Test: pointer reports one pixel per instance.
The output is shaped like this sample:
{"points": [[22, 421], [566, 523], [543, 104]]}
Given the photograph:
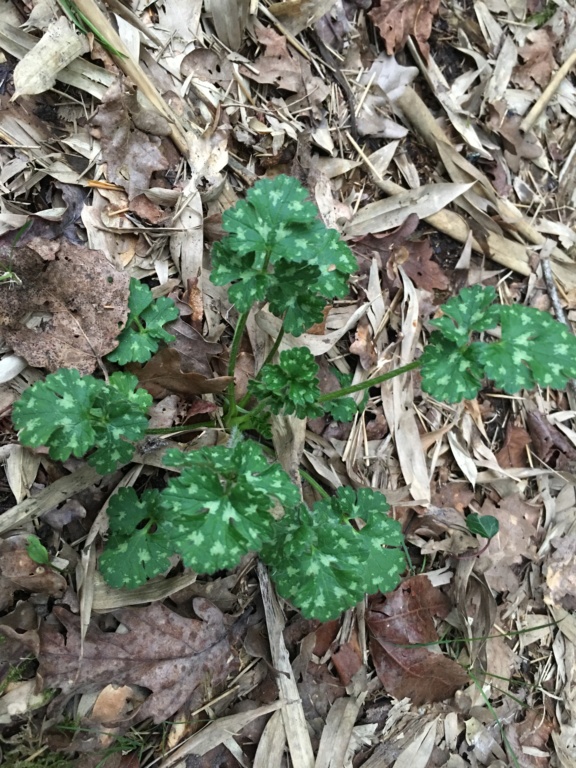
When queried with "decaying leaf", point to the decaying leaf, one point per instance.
{"points": [[172, 656], [164, 372], [514, 541], [404, 617], [128, 147], [560, 573], [23, 573], [397, 19], [285, 68], [65, 313], [513, 451]]}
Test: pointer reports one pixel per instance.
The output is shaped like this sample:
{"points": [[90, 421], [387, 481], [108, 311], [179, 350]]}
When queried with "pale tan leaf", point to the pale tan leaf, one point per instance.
{"points": [[58, 47], [392, 211]]}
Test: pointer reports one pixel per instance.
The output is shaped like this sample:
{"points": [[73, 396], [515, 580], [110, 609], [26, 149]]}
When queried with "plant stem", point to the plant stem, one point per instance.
{"points": [[234, 350], [269, 357], [369, 383], [184, 428], [317, 487]]}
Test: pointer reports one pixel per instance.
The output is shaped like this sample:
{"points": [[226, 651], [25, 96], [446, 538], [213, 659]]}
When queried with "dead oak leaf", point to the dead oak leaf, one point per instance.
{"points": [[406, 617], [65, 313], [164, 373], [514, 541], [394, 249], [285, 69], [538, 57], [131, 155], [172, 656], [397, 19]]}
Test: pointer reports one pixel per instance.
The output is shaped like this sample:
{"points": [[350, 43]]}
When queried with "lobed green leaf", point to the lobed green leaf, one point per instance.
{"points": [[218, 509], [324, 565], [534, 349], [469, 311], [72, 414], [450, 373], [56, 412], [136, 549], [290, 386], [144, 330]]}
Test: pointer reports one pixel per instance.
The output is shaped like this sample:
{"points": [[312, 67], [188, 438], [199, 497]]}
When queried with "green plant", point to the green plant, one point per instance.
{"points": [[230, 500], [144, 330], [72, 414]]}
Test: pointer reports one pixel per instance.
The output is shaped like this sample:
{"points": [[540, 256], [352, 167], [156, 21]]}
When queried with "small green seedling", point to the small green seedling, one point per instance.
{"points": [[37, 551], [144, 331], [230, 500], [482, 525]]}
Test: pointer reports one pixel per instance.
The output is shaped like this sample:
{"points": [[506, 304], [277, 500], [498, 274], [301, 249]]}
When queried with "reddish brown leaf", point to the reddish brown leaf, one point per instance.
{"points": [[397, 19], [83, 301], [513, 451], [406, 617], [395, 248], [347, 660], [174, 657], [164, 372]]}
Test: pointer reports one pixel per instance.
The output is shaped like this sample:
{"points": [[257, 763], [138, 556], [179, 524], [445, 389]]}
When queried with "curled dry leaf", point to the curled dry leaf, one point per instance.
{"points": [[363, 345], [397, 19], [404, 617], [81, 301], [172, 656]]}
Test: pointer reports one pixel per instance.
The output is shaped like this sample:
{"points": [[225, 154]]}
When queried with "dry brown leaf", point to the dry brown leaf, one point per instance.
{"points": [[560, 572], [363, 345], [538, 57], [172, 656], [549, 444], [19, 571], [395, 249], [164, 372], [195, 351], [205, 64], [514, 541], [527, 741], [403, 617], [130, 146], [82, 300], [285, 68], [397, 19], [513, 451]]}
